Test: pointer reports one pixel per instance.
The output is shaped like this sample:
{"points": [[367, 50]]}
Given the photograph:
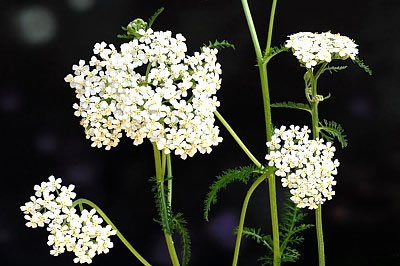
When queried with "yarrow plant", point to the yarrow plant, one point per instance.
{"points": [[306, 166], [151, 88], [312, 49], [52, 207], [171, 103]]}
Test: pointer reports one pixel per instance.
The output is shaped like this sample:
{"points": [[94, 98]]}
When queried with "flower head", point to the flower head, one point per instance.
{"points": [[306, 166], [149, 89], [312, 49], [82, 234]]}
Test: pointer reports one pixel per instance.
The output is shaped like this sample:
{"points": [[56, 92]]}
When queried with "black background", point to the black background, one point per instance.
{"points": [[41, 40]]}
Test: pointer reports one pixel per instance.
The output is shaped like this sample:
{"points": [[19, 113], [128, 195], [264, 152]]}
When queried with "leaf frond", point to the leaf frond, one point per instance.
{"points": [[293, 105], [241, 174], [219, 45], [274, 51], [258, 236], [180, 228], [291, 225], [162, 205], [154, 16], [335, 130], [362, 65], [334, 69]]}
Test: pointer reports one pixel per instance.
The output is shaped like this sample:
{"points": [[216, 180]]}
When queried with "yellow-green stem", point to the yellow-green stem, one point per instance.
{"points": [[108, 221], [243, 215], [169, 176], [160, 181], [315, 129], [262, 66]]}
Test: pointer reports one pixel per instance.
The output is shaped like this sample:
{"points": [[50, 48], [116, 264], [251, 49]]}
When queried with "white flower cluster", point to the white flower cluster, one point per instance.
{"points": [[306, 166], [312, 49], [82, 234], [150, 89]]}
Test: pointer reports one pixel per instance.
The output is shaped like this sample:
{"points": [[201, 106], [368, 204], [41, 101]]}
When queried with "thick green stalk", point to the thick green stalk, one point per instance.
{"points": [[318, 212], [108, 221], [160, 181], [262, 66], [238, 140], [243, 215]]}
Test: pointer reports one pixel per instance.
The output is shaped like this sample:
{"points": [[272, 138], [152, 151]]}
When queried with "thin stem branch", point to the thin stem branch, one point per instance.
{"points": [[271, 26], [238, 140], [108, 221], [243, 215]]}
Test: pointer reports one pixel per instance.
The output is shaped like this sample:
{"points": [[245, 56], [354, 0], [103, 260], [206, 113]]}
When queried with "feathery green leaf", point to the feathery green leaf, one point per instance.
{"points": [[289, 228], [241, 174], [334, 130], [154, 16], [362, 65], [162, 204], [274, 51], [293, 105], [219, 45], [333, 69], [258, 236], [180, 228]]}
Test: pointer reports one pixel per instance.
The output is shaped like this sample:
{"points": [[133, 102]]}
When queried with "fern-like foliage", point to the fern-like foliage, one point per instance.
{"points": [[289, 229], [293, 105], [219, 45], [154, 16], [274, 51], [258, 236], [180, 227], [163, 206], [241, 174], [362, 65], [335, 69], [334, 130]]}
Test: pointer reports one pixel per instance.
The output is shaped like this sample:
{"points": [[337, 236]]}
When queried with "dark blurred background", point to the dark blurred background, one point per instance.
{"points": [[41, 40]]}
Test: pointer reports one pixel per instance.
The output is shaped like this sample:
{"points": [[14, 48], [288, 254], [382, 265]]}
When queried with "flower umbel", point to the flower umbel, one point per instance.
{"points": [[312, 49], [81, 234], [306, 166], [149, 89]]}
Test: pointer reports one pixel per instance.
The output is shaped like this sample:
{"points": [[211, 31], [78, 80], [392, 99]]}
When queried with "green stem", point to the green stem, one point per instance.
{"points": [[315, 129], [160, 181], [271, 26], [320, 236], [237, 139], [169, 175], [243, 215], [262, 66], [108, 221]]}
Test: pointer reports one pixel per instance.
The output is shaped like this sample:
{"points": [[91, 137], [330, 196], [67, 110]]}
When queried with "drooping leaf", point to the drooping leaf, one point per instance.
{"points": [[180, 228], [241, 174], [362, 65]]}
